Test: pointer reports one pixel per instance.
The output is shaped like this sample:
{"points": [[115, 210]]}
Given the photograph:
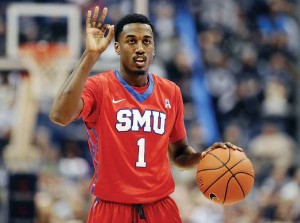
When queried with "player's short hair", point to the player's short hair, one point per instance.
{"points": [[131, 18]]}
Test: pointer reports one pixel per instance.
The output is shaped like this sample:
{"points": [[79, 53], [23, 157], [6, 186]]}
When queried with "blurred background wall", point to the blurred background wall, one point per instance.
{"points": [[236, 62]]}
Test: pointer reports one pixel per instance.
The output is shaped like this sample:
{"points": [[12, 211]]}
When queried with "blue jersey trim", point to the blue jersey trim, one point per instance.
{"points": [[139, 97], [94, 151]]}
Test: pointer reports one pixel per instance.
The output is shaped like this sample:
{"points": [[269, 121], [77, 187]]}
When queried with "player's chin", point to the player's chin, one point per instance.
{"points": [[140, 71]]}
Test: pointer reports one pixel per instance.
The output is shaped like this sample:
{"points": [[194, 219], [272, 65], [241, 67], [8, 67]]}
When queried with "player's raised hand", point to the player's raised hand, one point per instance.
{"points": [[96, 38], [224, 145]]}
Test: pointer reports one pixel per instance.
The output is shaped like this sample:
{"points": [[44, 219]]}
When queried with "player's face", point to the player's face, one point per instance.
{"points": [[136, 48]]}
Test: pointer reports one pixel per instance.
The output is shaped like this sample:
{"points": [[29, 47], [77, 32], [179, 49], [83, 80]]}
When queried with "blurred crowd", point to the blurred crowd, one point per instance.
{"points": [[250, 51]]}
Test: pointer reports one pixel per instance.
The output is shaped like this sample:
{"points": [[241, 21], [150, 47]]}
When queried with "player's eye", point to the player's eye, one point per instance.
{"points": [[131, 41], [147, 41]]}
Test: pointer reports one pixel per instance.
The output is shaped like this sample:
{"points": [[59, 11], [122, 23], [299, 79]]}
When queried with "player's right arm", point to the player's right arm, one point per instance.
{"points": [[68, 104]]}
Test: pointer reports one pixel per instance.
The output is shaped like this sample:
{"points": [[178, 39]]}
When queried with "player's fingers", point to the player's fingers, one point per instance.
{"points": [[88, 19], [232, 146], [102, 17], [216, 145], [240, 149], [111, 32], [95, 16], [203, 154], [219, 145], [105, 27]]}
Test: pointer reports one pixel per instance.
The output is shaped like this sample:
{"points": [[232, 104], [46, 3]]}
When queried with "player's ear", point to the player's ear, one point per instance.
{"points": [[117, 48]]}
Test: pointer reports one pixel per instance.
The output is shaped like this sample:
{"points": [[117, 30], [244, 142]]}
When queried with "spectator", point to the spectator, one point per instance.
{"points": [[272, 147]]}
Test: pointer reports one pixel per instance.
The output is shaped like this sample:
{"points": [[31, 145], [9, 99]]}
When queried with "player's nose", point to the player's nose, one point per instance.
{"points": [[139, 48]]}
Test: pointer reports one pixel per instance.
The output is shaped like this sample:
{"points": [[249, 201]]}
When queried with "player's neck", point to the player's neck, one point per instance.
{"points": [[136, 80]]}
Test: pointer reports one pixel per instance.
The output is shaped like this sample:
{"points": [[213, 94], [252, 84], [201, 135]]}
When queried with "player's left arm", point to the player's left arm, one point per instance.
{"points": [[183, 156]]}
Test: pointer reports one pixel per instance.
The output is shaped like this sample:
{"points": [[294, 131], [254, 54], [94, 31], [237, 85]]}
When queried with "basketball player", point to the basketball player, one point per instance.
{"points": [[134, 120]]}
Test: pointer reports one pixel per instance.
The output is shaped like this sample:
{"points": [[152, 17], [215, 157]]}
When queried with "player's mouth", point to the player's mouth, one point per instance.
{"points": [[140, 60]]}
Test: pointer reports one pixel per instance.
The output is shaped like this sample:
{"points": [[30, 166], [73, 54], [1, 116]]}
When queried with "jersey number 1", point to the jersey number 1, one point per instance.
{"points": [[141, 153]]}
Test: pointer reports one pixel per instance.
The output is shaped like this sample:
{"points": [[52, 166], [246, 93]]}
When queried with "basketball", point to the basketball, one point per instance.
{"points": [[225, 176]]}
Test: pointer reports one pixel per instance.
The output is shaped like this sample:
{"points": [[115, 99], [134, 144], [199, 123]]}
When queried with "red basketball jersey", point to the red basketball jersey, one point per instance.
{"points": [[128, 135]]}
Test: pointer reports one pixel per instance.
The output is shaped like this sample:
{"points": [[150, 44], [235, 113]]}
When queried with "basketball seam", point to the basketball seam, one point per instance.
{"points": [[228, 170], [233, 176], [224, 164]]}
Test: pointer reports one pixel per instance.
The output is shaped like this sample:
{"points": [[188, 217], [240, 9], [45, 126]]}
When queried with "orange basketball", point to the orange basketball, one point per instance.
{"points": [[225, 176]]}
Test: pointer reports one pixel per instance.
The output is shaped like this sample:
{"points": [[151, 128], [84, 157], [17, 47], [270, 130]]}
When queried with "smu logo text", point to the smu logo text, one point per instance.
{"points": [[133, 120]]}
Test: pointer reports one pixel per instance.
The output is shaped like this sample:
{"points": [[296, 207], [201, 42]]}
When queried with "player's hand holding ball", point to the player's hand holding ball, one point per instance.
{"points": [[225, 175], [223, 145]]}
